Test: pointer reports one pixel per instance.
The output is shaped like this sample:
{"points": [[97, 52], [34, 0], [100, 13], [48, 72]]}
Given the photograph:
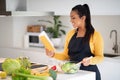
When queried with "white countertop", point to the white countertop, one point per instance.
{"points": [[113, 59], [35, 49], [80, 75]]}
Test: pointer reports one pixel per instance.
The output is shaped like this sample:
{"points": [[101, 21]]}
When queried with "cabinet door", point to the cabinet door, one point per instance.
{"points": [[109, 70]]}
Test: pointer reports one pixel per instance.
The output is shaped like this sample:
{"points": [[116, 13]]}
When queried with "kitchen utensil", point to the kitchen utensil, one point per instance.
{"points": [[81, 61]]}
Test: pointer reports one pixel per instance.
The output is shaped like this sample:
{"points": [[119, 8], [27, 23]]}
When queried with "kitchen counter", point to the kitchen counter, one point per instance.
{"points": [[113, 59], [109, 68], [81, 75]]}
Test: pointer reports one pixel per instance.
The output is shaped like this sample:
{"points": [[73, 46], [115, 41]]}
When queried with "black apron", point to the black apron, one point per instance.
{"points": [[77, 50]]}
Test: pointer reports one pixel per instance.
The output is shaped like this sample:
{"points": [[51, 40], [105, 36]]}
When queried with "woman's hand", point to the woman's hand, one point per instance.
{"points": [[86, 61], [49, 53]]}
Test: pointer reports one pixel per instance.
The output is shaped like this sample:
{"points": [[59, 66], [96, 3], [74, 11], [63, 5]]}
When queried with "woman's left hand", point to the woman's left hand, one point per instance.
{"points": [[49, 53], [86, 61]]}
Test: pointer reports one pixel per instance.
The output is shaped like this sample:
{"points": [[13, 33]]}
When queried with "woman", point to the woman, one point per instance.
{"points": [[82, 42]]}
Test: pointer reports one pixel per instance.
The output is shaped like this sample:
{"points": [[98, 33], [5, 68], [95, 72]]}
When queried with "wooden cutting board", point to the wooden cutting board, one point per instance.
{"points": [[39, 67]]}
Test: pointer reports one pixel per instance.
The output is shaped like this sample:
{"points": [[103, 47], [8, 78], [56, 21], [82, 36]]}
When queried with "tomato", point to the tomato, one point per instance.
{"points": [[54, 67]]}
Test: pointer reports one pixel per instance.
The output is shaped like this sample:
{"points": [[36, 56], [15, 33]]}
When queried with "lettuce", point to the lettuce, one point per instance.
{"points": [[69, 67], [10, 65]]}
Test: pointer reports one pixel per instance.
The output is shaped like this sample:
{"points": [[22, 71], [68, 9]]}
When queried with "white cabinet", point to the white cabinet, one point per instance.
{"points": [[110, 69]]}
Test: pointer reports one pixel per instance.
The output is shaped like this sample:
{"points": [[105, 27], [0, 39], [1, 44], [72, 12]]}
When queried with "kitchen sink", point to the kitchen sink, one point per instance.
{"points": [[111, 55]]}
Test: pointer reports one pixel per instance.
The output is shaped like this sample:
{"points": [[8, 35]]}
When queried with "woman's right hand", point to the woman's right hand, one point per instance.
{"points": [[50, 53]]}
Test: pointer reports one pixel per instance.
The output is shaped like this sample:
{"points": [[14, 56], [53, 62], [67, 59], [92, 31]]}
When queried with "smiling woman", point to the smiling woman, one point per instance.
{"points": [[82, 42]]}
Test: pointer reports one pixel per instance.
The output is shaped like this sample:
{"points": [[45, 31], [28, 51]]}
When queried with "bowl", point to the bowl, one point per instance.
{"points": [[70, 67]]}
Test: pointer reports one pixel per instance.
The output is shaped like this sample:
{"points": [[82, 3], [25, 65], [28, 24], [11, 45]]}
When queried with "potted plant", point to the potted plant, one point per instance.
{"points": [[55, 31]]}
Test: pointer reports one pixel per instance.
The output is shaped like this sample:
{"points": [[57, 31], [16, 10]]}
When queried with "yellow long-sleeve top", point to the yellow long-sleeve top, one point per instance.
{"points": [[96, 47]]}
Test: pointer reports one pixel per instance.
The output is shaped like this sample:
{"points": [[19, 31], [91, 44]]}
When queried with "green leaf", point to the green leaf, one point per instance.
{"points": [[23, 76], [53, 74], [24, 62], [55, 31], [63, 31]]}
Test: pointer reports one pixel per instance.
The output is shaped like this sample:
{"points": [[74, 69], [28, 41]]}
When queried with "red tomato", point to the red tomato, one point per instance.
{"points": [[53, 68]]}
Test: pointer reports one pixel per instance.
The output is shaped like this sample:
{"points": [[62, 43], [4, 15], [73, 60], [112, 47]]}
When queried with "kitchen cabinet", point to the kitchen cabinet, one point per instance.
{"points": [[109, 68]]}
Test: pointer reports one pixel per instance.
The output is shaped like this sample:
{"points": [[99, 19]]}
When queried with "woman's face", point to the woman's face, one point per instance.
{"points": [[76, 21]]}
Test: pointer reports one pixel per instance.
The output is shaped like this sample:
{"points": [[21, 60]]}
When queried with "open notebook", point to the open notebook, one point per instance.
{"points": [[46, 41]]}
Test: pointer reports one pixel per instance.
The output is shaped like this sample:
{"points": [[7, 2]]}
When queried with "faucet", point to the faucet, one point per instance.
{"points": [[115, 47]]}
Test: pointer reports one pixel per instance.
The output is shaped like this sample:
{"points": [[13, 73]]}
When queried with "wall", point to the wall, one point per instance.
{"points": [[100, 20], [14, 29], [104, 24], [20, 28], [97, 7], [6, 31]]}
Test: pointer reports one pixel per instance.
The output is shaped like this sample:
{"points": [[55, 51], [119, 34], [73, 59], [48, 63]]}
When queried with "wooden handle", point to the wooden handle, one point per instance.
{"points": [[86, 59]]}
